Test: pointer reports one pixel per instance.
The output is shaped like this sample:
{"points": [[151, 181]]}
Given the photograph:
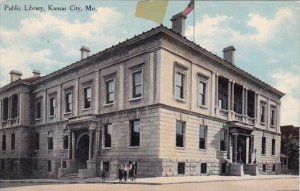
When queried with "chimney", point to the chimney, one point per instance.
{"points": [[15, 75], [36, 73], [178, 23], [228, 54], [84, 52]]}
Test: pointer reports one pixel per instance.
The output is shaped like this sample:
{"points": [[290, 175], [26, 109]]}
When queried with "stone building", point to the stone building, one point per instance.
{"points": [[158, 100]]}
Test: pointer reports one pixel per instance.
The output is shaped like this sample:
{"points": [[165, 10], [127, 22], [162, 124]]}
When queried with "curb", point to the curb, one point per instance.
{"points": [[82, 181]]}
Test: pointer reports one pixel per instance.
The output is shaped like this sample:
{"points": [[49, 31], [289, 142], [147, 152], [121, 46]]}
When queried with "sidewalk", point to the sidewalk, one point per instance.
{"points": [[157, 180]]}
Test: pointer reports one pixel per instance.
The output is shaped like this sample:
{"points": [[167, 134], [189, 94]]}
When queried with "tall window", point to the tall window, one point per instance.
{"points": [[5, 109], [110, 91], [202, 92], [107, 135], [52, 106], [180, 126], [179, 85], [273, 146], [68, 102], [135, 128], [36, 141], [3, 142], [87, 97], [13, 141], [14, 106], [202, 137], [203, 168], [223, 140], [66, 142], [181, 168], [137, 84], [273, 117], [49, 166], [263, 145], [106, 166], [50, 140], [262, 113], [38, 110]]}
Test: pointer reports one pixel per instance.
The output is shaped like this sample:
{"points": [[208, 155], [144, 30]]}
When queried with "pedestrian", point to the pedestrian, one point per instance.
{"points": [[103, 175], [131, 171], [125, 172], [120, 173]]}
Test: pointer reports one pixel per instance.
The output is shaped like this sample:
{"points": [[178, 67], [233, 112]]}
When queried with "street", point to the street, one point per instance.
{"points": [[234, 185]]}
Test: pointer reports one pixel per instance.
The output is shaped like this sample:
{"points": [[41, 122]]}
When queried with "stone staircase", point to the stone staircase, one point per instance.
{"points": [[70, 176]]}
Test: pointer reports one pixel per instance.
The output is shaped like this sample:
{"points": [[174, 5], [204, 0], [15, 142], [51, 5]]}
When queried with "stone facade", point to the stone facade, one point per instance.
{"points": [[53, 141]]}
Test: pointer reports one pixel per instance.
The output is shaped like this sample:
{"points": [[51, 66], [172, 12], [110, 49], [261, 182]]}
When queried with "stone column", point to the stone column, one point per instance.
{"points": [[229, 95], [73, 145], [243, 101], [246, 101], [247, 151], [232, 96], [256, 109], [235, 136], [90, 144], [217, 91]]}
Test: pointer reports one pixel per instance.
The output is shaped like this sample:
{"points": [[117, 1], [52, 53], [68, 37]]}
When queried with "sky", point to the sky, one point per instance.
{"points": [[266, 35]]}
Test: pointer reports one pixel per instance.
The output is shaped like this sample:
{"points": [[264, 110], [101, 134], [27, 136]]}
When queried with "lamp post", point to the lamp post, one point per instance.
{"points": [[255, 156]]}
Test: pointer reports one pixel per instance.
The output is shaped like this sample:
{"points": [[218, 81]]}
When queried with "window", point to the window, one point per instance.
{"points": [[264, 167], [181, 168], [263, 145], [50, 140], [202, 92], [273, 117], [273, 146], [110, 91], [5, 109], [13, 141], [68, 102], [3, 142], [202, 137], [223, 140], [135, 128], [203, 168], [87, 97], [262, 113], [273, 168], [38, 110], [52, 106], [14, 106], [2, 164], [107, 135], [49, 166], [36, 141], [106, 166], [64, 164], [66, 142], [180, 125], [137, 84], [179, 85]]}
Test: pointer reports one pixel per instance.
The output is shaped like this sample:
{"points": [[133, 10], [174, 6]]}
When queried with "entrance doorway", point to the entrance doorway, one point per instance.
{"points": [[82, 150], [241, 149]]}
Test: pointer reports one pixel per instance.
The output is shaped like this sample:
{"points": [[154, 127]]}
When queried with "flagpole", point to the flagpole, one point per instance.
{"points": [[194, 21]]}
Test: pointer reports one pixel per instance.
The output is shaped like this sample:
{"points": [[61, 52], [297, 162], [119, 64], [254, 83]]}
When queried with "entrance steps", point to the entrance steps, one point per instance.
{"points": [[70, 176]]}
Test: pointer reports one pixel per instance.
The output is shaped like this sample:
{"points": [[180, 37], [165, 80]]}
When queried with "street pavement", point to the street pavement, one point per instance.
{"points": [[232, 183]]}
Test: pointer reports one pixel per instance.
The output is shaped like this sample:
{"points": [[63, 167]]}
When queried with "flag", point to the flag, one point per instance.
{"points": [[189, 8], [153, 10]]}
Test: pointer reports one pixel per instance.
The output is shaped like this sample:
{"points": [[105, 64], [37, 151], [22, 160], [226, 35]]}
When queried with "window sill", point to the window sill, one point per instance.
{"points": [[51, 116], [38, 119], [108, 104], [223, 151], [134, 147], [86, 109], [180, 100], [180, 148], [203, 150], [68, 113], [106, 148], [272, 126], [262, 123], [202, 106], [136, 98]]}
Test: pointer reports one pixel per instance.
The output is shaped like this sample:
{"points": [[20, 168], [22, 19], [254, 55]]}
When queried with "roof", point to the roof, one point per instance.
{"points": [[150, 32]]}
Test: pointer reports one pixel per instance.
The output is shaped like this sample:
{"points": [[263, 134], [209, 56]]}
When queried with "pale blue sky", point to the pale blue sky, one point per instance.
{"points": [[265, 34]]}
